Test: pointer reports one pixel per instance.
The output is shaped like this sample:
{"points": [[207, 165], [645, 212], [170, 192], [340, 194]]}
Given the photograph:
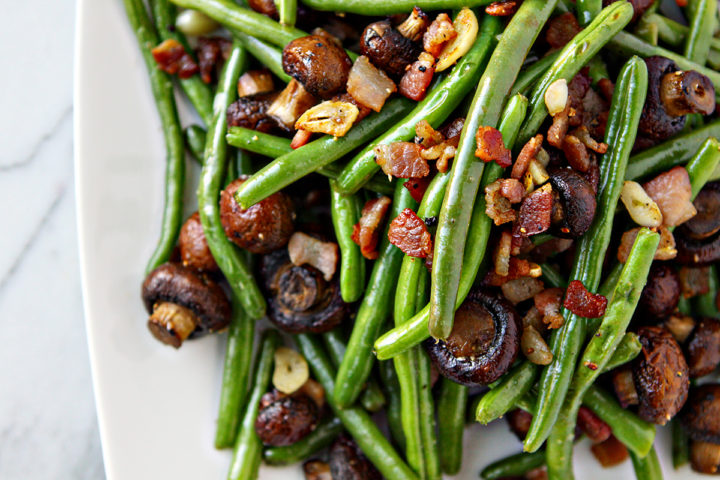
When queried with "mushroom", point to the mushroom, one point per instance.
{"points": [[519, 422], [672, 94], [701, 415], [251, 111], [388, 49], [183, 303], [266, 7], [285, 419], [318, 63], [347, 462], [317, 470], [698, 239], [703, 348], [705, 457], [193, 246], [301, 300], [661, 376], [262, 228], [484, 341], [661, 294], [574, 203]]}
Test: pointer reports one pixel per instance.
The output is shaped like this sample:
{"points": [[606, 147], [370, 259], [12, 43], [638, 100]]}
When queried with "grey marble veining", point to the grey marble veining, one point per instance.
{"points": [[48, 427]]}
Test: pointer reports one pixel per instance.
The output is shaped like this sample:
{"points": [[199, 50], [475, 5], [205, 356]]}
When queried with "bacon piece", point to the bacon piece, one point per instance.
{"points": [[417, 187], [490, 147], [558, 130], [368, 84], [211, 52], [583, 135], [303, 249], [410, 234], [548, 302], [535, 212], [528, 152], [426, 136], [517, 268], [577, 88], [596, 429], [576, 153], [607, 88], [501, 9], [366, 232], [300, 138], [561, 30], [172, 58], [417, 78], [439, 32], [452, 131], [611, 452], [401, 160], [583, 303], [665, 251], [499, 196], [672, 192]]}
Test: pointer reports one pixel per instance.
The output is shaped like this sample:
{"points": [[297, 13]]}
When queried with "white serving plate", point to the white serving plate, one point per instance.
{"points": [[156, 406]]}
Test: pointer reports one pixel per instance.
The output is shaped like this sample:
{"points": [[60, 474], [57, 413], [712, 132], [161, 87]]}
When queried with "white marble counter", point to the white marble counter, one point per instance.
{"points": [[48, 427]]}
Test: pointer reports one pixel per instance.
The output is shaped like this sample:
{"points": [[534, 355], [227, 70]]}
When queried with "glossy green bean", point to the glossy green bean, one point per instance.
{"points": [[467, 170], [356, 420], [428, 432], [372, 313], [702, 24], [268, 55], [416, 330], [599, 350], [379, 7], [680, 445], [703, 164], [608, 285], [503, 397], [597, 69], [626, 351], [625, 111], [674, 33], [195, 137], [573, 57], [227, 256], [406, 368], [345, 210], [647, 467], [287, 11], [435, 108], [452, 405], [531, 74], [514, 466], [318, 439], [587, 10], [394, 405], [553, 277], [292, 166]]}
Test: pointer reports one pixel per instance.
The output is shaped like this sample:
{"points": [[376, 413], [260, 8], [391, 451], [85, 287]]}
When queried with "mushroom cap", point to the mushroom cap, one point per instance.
{"points": [[174, 283], [701, 415], [318, 63], [577, 199], [387, 49], [655, 122]]}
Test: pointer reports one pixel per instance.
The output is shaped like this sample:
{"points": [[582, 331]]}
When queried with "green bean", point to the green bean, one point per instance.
{"points": [[597, 70], [287, 11], [356, 420], [684, 306], [451, 424], [294, 165], [394, 405], [162, 89], [268, 55], [680, 445], [600, 349], [514, 466], [705, 305], [373, 311], [345, 211], [195, 137], [228, 257], [648, 31], [702, 23], [248, 447], [415, 330], [627, 44], [626, 351], [587, 10], [406, 368], [197, 91], [607, 287], [503, 397], [531, 74], [703, 164], [467, 169], [676, 151], [428, 431], [625, 110], [380, 7], [320, 438], [552, 276], [584, 46], [647, 467], [435, 108], [674, 33]]}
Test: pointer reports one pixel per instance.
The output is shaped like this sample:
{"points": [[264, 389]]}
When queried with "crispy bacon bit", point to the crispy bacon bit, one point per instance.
{"points": [[417, 78], [410, 234], [548, 302], [443, 163], [518, 268], [401, 160], [694, 281], [535, 212], [499, 196], [368, 84], [596, 429], [607, 88], [576, 153], [366, 232], [300, 138], [521, 289], [528, 152], [501, 9], [426, 135], [417, 187], [561, 30], [511, 189], [583, 135], [438, 34], [255, 81], [414, 25], [303, 249], [490, 147], [211, 52], [665, 251], [172, 58], [452, 131], [672, 193], [577, 89], [558, 129], [501, 258], [611, 452], [583, 303]]}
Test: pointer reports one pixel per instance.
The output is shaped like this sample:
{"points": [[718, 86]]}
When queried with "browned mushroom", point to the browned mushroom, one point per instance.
{"points": [[301, 300], [183, 303], [194, 250], [661, 294], [250, 112], [701, 415], [388, 49], [661, 376], [347, 462], [317, 470], [262, 228], [285, 419], [266, 7], [318, 63], [484, 341], [705, 457], [703, 348], [574, 203], [519, 422], [706, 221]]}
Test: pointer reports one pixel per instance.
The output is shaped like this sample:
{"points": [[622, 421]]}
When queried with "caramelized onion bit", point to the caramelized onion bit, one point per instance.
{"points": [[548, 302], [534, 347], [642, 209], [255, 81], [521, 289]]}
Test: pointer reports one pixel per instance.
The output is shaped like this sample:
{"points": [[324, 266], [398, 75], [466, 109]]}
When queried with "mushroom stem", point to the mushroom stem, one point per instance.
{"points": [[705, 457], [171, 323], [684, 92]]}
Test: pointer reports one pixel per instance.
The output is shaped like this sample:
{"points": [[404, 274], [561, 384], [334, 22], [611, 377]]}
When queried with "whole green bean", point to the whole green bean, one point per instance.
{"points": [[287, 11], [467, 169], [587, 10], [531, 74], [435, 108], [676, 151], [426, 413], [626, 351], [702, 23], [394, 405], [294, 165], [608, 285], [373, 312], [552, 276], [356, 420], [379, 7], [503, 397], [451, 424], [674, 33], [162, 89], [268, 55], [406, 368], [599, 350], [573, 57], [415, 330], [647, 467], [195, 137], [703, 164], [248, 447], [565, 342], [227, 256], [680, 445], [514, 466], [345, 211], [320, 438]]}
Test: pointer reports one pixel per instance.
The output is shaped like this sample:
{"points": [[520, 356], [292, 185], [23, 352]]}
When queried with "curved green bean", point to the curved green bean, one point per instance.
{"points": [[701, 167], [702, 24], [647, 467], [565, 342], [626, 351], [394, 405], [195, 137], [345, 210], [320, 438], [587, 10], [268, 55], [514, 466], [380, 7], [503, 397], [552, 276], [452, 405]]}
